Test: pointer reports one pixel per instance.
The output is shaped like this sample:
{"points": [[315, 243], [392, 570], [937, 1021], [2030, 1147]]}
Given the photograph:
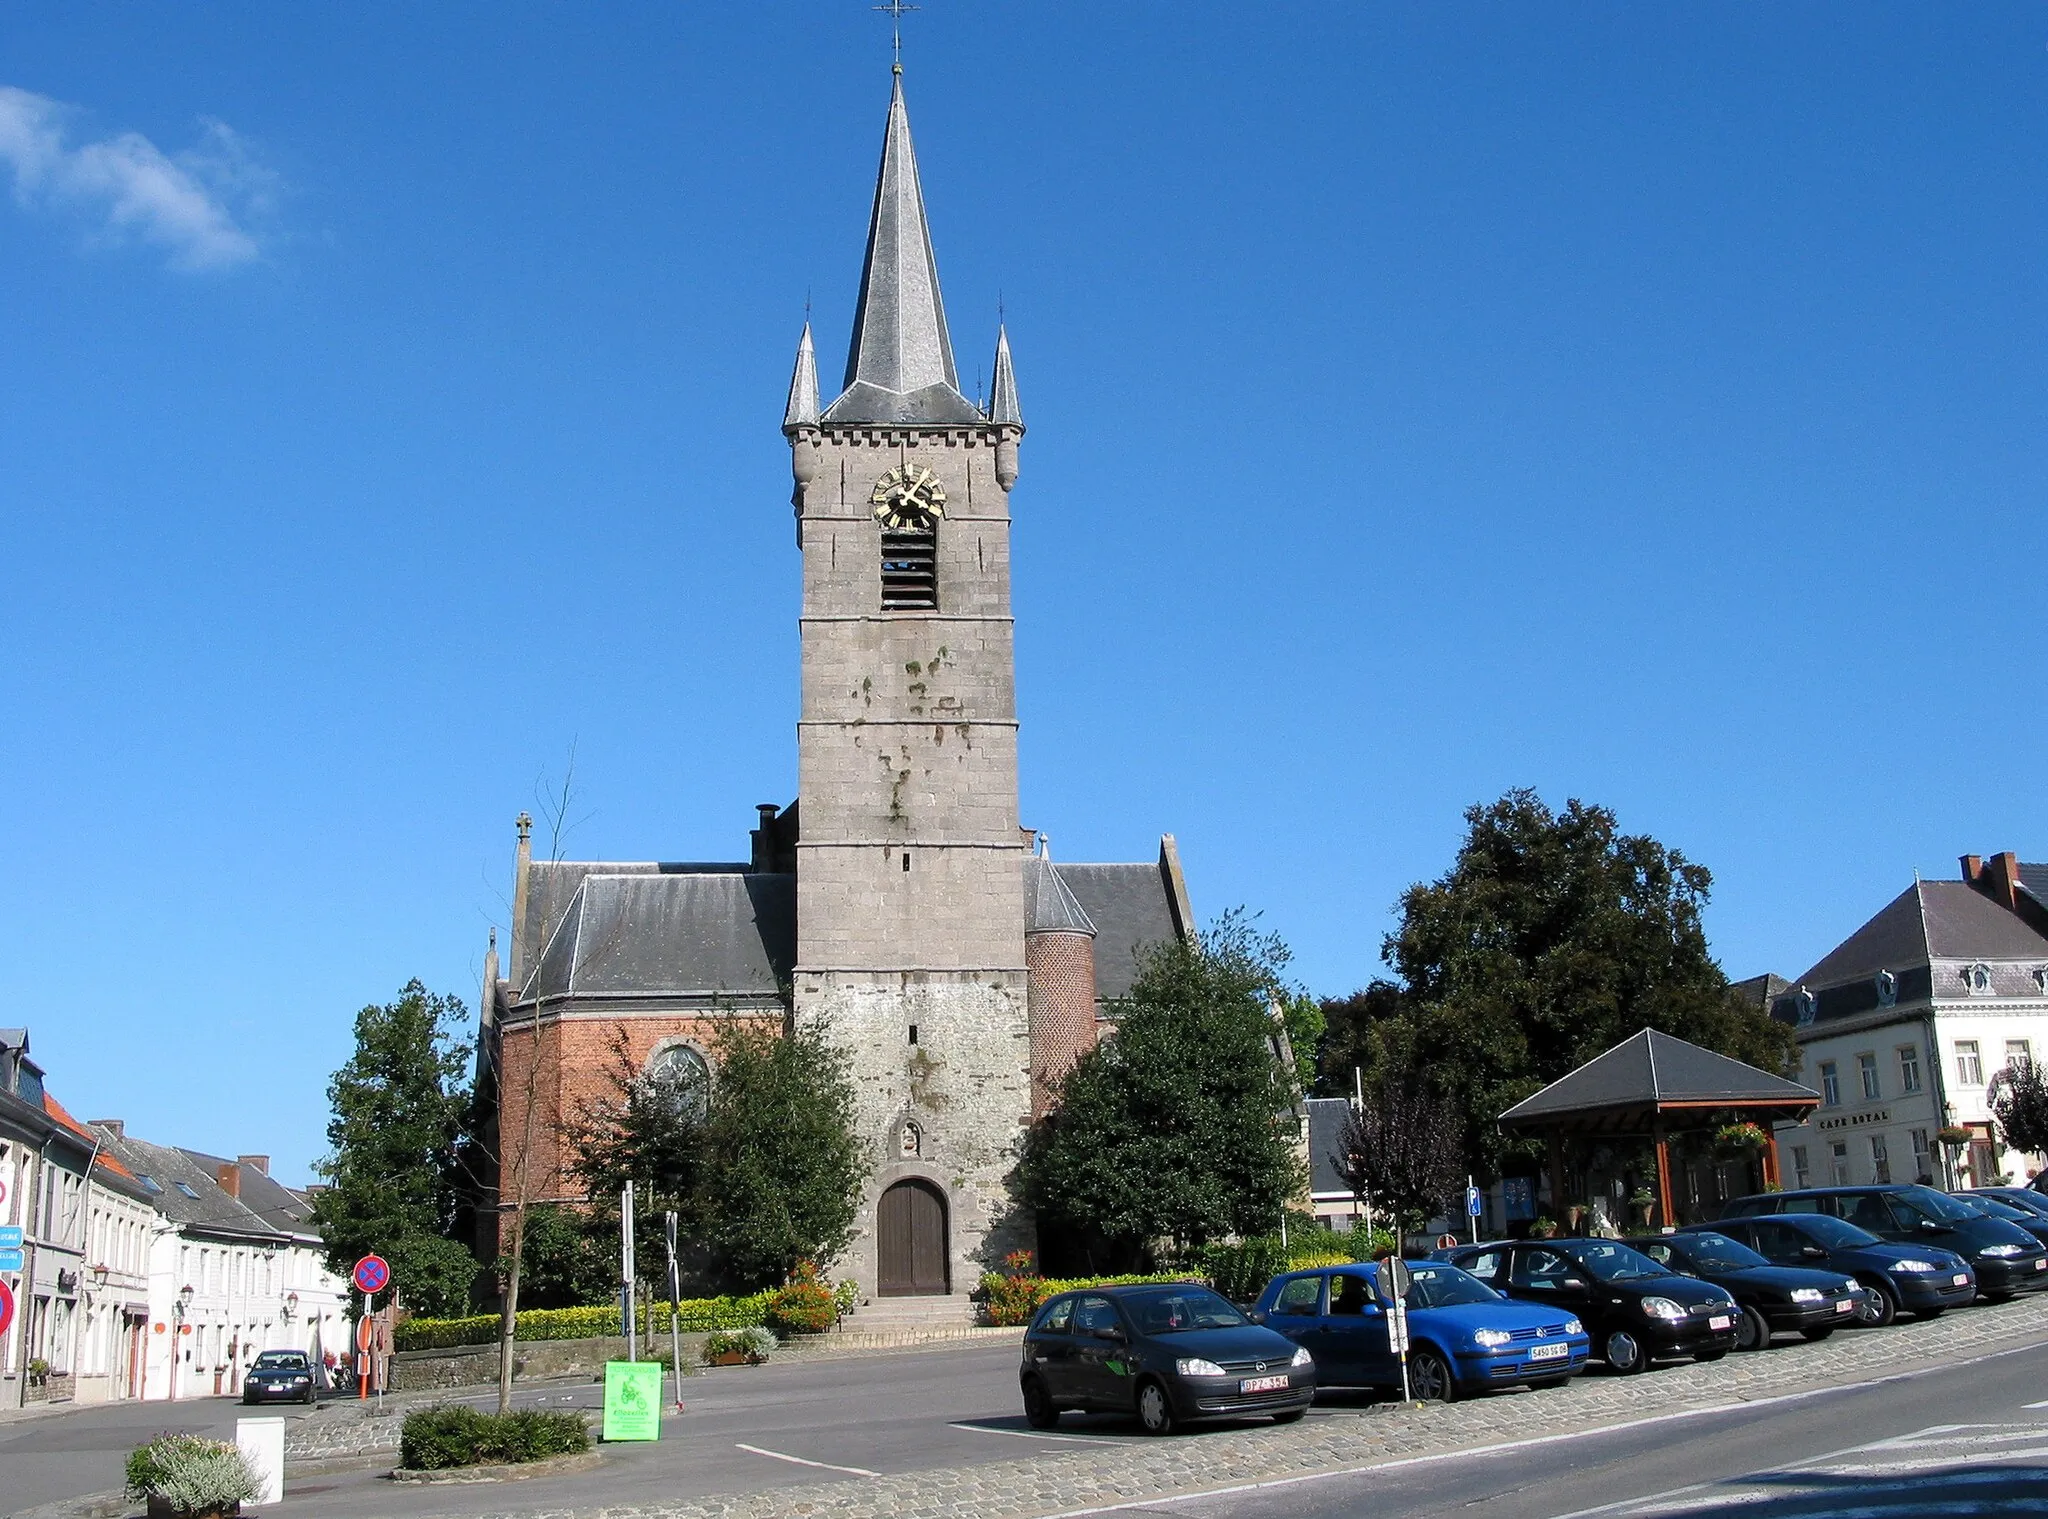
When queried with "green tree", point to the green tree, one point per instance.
{"points": [[2022, 1108], [1180, 1126], [565, 1263], [393, 1184], [1404, 1148], [762, 1169], [1553, 937]]}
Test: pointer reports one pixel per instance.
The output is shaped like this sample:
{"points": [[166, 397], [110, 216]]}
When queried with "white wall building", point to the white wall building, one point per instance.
{"points": [[1907, 1026]]}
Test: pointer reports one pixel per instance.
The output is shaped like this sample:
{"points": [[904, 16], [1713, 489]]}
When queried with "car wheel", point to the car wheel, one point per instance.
{"points": [[1430, 1379], [1624, 1353], [1289, 1415], [1040, 1412], [1155, 1409], [1818, 1332], [1752, 1330], [1880, 1306]]}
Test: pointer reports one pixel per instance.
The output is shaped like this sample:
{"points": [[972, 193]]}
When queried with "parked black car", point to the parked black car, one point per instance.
{"points": [[1167, 1353], [1636, 1310], [2014, 1197], [2034, 1223], [280, 1376], [1771, 1299], [1921, 1279], [2006, 1258]]}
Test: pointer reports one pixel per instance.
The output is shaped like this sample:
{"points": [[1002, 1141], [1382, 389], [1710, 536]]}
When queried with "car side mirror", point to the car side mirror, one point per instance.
{"points": [[1929, 1226], [1573, 1283], [1109, 1332], [1257, 1316]]}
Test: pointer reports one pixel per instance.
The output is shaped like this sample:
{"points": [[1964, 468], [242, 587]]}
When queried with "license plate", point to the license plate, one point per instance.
{"points": [[1844, 1306], [1262, 1384], [1549, 1352], [2041, 1264], [1719, 1321], [1960, 1279]]}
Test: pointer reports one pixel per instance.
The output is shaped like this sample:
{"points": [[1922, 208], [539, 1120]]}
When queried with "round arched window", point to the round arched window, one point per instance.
{"points": [[680, 1075]]}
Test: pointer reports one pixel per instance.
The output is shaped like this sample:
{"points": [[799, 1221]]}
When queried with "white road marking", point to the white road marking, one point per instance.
{"points": [[1504, 1446], [1032, 1434], [776, 1455], [2034, 1405]]}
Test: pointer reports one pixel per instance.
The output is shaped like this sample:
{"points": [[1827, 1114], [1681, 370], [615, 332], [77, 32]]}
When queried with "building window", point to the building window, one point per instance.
{"points": [[910, 571], [1880, 1159], [1866, 1070], [1978, 979], [1887, 986], [1830, 1085], [1838, 1162], [1801, 1174], [1969, 1067], [678, 1075], [1909, 1067], [2019, 1052], [1923, 1157]]}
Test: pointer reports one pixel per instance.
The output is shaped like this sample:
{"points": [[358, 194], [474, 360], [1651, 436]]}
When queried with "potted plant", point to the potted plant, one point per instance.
{"points": [[38, 1371], [1735, 1141], [1640, 1202], [1954, 1136], [1542, 1228], [187, 1477], [738, 1347]]}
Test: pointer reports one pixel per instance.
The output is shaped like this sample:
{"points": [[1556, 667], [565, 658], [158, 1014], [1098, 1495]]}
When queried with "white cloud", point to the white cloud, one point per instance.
{"points": [[195, 204]]}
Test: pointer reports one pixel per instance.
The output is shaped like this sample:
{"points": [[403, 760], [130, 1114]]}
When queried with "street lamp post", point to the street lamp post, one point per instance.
{"points": [[179, 1306]]}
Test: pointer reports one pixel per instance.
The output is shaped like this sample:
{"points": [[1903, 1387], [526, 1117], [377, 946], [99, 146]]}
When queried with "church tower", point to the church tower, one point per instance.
{"points": [[910, 864]]}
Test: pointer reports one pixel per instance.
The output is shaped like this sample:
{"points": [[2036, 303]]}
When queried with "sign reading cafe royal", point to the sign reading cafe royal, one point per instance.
{"points": [[1855, 1120]]}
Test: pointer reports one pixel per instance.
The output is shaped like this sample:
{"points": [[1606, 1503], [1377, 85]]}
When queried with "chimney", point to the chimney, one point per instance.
{"points": [[229, 1175], [764, 838], [118, 1127], [1998, 878], [259, 1163]]}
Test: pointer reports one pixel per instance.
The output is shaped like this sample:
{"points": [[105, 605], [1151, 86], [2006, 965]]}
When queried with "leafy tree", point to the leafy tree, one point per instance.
{"points": [[1404, 1147], [1306, 1024], [2022, 1108], [762, 1170], [393, 1175], [565, 1263], [1553, 937], [1348, 1045], [1178, 1127]]}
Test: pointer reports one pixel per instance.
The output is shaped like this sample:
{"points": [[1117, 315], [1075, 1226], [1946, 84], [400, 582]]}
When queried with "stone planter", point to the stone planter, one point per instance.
{"points": [[735, 1358]]}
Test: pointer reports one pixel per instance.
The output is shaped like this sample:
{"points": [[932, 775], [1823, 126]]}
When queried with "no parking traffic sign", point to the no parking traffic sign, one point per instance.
{"points": [[6, 1306], [371, 1275]]}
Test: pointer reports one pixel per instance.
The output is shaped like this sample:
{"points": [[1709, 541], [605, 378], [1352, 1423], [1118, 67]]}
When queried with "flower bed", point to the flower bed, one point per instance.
{"points": [[190, 1476], [732, 1347], [449, 1435]]}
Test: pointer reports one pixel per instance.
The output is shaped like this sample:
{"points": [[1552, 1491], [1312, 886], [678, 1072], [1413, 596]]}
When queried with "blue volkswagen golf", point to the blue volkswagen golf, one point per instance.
{"points": [[1462, 1335]]}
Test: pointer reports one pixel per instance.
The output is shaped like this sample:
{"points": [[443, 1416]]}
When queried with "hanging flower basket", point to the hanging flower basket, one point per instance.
{"points": [[1736, 1140], [1953, 1136]]}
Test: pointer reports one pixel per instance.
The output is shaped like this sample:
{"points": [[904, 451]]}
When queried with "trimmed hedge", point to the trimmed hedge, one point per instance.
{"points": [[451, 1434], [696, 1314], [1011, 1300]]}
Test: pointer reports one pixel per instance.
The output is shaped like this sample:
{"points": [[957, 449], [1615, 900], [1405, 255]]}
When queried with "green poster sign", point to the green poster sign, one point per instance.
{"points": [[632, 1400]]}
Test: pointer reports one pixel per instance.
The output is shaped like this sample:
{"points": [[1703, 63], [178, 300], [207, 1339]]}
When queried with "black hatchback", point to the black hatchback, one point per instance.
{"points": [[1770, 1299], [1917, 1278], [2006, 1258], [1165, 1352], [1636, 1310]]}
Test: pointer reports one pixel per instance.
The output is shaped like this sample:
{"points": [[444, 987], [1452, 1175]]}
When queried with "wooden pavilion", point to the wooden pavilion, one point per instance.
{"points": [[1652, 1086]]}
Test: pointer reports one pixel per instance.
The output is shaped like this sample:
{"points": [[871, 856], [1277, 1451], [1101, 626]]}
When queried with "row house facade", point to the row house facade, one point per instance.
{"points": [[1911, 1026]]}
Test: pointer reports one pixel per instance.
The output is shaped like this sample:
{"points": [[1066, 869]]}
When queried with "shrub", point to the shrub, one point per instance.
{"points": [[1019, 1297], [805, 1306], [755, 1344], [191, 1474], [847, 1296], [692, 1316], [450, 1434]]}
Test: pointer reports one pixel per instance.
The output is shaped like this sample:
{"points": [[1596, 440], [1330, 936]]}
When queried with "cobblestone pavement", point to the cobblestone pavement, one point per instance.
{"points": [[1360, 1434]]}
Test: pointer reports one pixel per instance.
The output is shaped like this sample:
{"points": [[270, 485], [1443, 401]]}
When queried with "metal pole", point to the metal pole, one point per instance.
{"points": [[626, 1270], [1471, 1217], [362, 1353], [675, 1292]]}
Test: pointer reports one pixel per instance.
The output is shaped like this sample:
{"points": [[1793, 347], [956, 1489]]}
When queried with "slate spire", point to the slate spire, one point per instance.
{"points": [[1002, 401], [802, 410], [899, 366]]}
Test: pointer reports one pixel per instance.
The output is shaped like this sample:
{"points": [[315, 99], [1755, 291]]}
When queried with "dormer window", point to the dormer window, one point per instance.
{"points": [[2041, 978], [1978, 979], [1887, 989], [1808, 1006]]}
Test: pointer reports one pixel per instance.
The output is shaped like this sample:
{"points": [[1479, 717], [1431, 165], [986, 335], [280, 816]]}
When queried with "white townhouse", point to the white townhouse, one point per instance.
{"points": [[1909, 1026]]}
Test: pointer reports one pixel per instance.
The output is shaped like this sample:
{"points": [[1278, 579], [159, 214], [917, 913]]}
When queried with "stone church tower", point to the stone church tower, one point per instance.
{"points": [[910, 863]]}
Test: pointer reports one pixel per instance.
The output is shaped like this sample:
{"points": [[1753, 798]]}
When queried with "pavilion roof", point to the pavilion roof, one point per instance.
{"points": [[1651, 1075]]}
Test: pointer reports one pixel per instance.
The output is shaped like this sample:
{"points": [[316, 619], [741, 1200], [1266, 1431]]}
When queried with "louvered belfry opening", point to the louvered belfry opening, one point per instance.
{"points": [[910, 570]]}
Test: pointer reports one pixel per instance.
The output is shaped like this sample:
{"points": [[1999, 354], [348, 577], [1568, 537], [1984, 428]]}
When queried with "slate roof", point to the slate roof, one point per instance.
{"points": [[207, 1206], [2034, 881], [1652, 1070], [1049, 903], [113, 1173], [269, 1199], [1327, 1118], [1930, 920], [709, 935], [1132, 909], [899, 365], [551, 885]]}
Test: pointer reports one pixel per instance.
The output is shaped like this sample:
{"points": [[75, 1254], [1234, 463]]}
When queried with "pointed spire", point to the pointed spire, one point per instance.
{"points": [[802, 410], [899, 367], [1002, 401]]}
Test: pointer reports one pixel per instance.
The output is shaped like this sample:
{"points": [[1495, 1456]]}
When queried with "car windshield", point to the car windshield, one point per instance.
{"points": [[1611, 1262], [1997, 1207], [1833, 1232], [281, 1360], [1938, 1207], [2020, 1198], [1446, 1287], [1171, 1310], [1717, 1252]]}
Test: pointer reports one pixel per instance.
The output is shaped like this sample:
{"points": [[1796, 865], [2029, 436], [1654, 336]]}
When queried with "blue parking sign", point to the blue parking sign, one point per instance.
{"points": [[10, 1237], [1472, 1202], [10, 1260]]}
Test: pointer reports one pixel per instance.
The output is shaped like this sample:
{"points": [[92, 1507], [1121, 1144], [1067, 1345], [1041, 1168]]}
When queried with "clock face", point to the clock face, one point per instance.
{"points": [[908, 498]]}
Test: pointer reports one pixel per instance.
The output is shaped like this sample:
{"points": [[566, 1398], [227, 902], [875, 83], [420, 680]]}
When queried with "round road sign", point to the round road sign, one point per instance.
{"points": [[6, 1306], [371, 1274]]}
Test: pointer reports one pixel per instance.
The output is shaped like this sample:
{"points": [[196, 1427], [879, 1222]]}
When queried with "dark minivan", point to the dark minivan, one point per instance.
{"points": [[1165, 1352], [1918, 1278], [1771, 1298], [2006, 1258]]}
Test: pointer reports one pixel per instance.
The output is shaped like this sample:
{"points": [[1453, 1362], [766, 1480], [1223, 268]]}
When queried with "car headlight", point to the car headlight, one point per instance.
{"points": [[2003, 1251], [1195, 1366], [1916, 1265], [1491, 1337], [1573, 1326], [1807, 1295], [1849, 1284], [1662, 1308], [1302, 1358]]}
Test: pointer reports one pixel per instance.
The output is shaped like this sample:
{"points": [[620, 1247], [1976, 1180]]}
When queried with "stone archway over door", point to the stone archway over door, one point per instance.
{"points": [[912, 1220]]}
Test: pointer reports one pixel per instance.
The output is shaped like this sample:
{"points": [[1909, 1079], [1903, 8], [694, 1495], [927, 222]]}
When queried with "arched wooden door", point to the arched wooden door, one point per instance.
{"points": [[913, 1241]]}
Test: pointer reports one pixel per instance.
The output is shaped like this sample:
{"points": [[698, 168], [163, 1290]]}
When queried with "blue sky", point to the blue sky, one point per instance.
{"points": [[1640, 404]]}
